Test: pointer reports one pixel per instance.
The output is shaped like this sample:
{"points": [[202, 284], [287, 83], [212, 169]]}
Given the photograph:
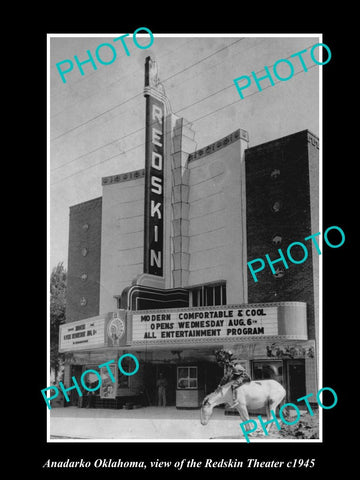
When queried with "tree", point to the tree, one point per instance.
{"points": [[57, 316]]}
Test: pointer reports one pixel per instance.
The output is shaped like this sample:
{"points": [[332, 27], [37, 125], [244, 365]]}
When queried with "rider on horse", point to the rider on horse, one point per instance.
{"points": [[236, 373]]}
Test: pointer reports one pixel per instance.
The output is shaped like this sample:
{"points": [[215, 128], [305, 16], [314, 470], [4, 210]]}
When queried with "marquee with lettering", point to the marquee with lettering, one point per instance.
{"points": [[205, 325]]}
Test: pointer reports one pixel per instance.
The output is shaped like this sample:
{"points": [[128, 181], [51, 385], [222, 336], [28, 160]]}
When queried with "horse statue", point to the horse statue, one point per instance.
{"points": [[253, 396]]}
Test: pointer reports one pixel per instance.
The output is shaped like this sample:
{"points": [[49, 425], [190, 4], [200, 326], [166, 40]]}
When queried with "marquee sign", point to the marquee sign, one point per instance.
{"points": [[108, 330], [82, 335], [205, 325], [154, 174]]}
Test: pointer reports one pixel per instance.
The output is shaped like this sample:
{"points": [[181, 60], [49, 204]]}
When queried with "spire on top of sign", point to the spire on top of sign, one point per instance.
{"points": [[153, 86]]}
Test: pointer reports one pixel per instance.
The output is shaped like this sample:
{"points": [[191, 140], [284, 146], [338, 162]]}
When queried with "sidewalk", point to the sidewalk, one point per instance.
{"points": [[148, 423]]}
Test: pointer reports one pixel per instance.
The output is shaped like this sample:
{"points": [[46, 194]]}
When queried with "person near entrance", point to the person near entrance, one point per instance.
{"points": [[235, 373], [161, 386]]}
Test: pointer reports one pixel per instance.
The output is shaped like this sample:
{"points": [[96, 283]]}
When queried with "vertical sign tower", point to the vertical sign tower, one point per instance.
{"points": [[154, 172]]}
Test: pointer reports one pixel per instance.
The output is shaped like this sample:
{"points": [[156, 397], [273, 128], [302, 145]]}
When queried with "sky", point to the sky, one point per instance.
{"points": [[96, 121]]}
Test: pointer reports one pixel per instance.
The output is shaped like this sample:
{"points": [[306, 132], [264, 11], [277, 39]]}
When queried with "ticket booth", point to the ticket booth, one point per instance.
{"points": [[194, 382], [188, 393]]}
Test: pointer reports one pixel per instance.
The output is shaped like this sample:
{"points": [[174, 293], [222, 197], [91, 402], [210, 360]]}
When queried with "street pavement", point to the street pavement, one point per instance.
{"points": [[147, 423]]}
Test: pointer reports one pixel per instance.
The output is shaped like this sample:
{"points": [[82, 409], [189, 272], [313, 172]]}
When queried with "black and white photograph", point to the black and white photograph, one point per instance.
{"points": [[186, 243], [173, 189]]}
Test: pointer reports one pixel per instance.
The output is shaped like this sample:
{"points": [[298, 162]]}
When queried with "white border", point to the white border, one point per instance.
{"points": [[319, 347]]}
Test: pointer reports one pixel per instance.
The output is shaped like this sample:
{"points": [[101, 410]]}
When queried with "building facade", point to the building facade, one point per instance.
{"points": [[158, 264]]}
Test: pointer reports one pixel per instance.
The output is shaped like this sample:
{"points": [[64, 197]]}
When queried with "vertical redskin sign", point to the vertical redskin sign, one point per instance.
{"points": [[154, 181]]}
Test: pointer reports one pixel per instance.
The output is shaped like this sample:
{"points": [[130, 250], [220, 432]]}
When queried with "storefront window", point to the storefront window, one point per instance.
{"points": [[265, 370], [187, 377]]}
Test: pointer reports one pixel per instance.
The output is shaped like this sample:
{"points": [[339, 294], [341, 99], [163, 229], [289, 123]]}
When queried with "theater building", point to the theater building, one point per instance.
{"points": [[157, 265]]}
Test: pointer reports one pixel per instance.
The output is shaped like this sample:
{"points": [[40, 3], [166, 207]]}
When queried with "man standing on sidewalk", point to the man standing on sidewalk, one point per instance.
{"points": [[161, 385]]}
